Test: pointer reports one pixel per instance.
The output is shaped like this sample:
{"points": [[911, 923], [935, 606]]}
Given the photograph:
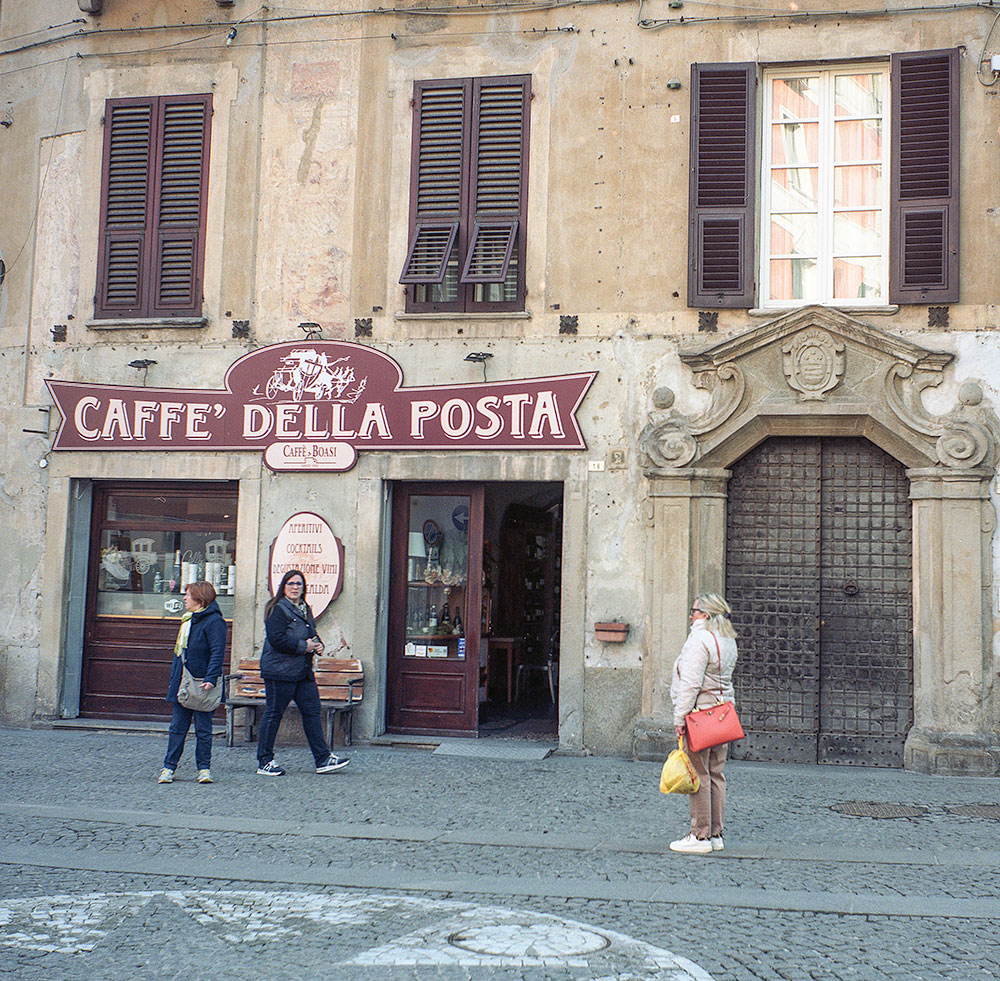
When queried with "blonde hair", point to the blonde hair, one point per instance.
{"points": [[718, 613]]}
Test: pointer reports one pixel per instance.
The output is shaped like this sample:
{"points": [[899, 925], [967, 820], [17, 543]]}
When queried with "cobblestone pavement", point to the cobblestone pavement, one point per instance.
{"points": [[410, 865]]}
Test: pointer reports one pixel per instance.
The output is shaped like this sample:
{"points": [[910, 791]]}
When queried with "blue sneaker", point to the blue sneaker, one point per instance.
{"points": [[333, 764], [270, 770]]}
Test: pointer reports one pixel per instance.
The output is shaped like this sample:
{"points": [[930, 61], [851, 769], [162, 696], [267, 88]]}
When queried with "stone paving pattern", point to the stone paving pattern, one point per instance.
{"points": [[581, 839]]}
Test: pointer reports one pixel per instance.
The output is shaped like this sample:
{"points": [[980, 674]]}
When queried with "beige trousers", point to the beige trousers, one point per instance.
{"points": [[708, 806]]}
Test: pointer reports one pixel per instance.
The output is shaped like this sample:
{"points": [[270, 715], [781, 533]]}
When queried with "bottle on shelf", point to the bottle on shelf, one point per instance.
{"points": [[458, 623], [445, 614], [432, 618]]}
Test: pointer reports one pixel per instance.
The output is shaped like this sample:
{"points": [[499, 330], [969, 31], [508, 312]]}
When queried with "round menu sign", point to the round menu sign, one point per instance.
{"points": [[307, 543]]}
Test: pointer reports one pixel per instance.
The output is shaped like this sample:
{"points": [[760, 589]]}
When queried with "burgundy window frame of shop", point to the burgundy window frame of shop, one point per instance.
{"points": [[468, 187], [127, 658], [924, 153], [154, 190]]}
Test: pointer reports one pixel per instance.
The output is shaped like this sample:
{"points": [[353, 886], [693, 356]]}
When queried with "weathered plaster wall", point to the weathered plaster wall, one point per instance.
{"points": [[308, 203]]}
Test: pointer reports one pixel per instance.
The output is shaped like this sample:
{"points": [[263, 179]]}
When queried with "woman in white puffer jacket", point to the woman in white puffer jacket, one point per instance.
{"points": [[703, 676]]}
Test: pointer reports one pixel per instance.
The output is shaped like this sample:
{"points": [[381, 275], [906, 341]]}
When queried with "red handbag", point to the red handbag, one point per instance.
{"points": [[716, 725]]}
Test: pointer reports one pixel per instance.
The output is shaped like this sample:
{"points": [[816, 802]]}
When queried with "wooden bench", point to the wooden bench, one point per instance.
{"points": [[341, 686]]}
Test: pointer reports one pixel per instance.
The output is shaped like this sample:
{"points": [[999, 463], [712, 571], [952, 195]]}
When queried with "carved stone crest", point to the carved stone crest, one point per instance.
{"points": [[813, 363]]}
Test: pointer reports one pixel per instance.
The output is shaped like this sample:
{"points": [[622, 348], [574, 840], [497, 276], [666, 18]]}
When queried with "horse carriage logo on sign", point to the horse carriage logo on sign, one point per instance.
{"points": [[314, 406], [312, 373]]}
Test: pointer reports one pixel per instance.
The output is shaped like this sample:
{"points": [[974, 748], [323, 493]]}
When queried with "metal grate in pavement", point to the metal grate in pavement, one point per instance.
{"points": [[877, 809], [977, 810]]}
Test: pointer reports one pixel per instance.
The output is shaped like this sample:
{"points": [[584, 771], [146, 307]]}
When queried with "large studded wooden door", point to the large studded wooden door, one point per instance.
{"points": [[818, 572]]}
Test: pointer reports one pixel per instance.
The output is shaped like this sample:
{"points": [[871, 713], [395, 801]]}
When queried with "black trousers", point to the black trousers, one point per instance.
{"points": [[277, 695]]}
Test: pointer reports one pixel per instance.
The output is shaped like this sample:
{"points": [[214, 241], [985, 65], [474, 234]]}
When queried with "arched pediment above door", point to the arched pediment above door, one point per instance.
{"points": [[818, 371]]}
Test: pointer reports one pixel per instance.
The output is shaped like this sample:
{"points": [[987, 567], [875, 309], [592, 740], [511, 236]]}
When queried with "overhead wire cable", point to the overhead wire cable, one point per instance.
{"points": [[523, 6], [796, 15], [982, 57]]}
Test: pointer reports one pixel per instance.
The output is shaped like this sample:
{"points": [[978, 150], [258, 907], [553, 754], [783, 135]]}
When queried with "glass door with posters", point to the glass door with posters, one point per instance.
{"points": [[435, 608]]}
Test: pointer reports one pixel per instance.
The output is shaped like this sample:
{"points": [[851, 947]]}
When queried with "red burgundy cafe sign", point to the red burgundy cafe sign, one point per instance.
{"points": [[313, 405]]}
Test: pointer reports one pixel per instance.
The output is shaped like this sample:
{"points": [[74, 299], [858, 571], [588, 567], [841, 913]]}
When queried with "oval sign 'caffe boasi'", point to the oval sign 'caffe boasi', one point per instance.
{"points": [[306, 542]]}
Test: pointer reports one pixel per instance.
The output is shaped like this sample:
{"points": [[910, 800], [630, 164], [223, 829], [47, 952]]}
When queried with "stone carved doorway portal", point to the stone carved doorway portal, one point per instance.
{"points": [[817, 374], [818, 571]]}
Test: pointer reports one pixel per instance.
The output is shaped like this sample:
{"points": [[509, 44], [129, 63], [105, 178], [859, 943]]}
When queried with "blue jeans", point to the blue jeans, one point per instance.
{"points": [[179, 726], [277, 695]]}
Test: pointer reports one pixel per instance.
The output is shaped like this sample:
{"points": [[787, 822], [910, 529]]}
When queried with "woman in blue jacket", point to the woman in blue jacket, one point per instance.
{"points": [[286, 667], [201, 643]]}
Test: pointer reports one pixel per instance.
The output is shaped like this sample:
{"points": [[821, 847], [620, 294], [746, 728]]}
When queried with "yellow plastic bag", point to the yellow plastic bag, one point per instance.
{"points": [[678, 775]]}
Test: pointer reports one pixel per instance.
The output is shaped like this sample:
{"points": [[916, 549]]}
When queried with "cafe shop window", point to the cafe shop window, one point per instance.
{"points": [[153, 541]]}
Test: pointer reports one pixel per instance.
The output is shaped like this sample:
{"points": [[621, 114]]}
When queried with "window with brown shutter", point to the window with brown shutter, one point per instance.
{"points": [[153, 202], [468, 195], [723, 182], [924, 237], [825, 233]]}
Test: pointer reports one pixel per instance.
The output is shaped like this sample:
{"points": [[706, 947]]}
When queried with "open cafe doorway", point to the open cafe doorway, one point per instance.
{"points": [[474, 611], [522, 580]]}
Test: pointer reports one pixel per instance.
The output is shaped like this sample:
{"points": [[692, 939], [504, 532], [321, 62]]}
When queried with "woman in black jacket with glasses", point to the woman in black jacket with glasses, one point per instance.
{"points": [[286, 666]]}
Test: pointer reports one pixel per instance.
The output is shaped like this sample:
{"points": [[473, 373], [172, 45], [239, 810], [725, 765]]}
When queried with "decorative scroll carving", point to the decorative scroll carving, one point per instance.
{"points": [[813, 363], [669, 439], [966, 436]]}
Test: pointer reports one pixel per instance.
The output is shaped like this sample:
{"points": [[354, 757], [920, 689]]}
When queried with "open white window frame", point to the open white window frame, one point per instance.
{"points": [[825, 255]]}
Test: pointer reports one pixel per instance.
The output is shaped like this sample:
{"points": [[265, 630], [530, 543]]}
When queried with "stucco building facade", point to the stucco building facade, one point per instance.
{"points": [[773, 240]]}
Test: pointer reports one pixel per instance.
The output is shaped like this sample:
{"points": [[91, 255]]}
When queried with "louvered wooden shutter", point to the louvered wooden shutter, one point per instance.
{"points": [[924, 200], [499, 176], [180, 207], [151, 248], [439, 166], [128, 163], [723, 180]]}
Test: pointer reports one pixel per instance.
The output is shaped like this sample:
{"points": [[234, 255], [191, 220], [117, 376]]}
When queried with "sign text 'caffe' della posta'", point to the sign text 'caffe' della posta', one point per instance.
{"points": [[314, 405]]}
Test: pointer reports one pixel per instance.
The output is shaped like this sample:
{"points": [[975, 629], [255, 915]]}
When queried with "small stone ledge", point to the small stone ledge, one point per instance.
{"points": [[873, 311], [653, 739], [473, 317], [155, 323], [953, 754]]}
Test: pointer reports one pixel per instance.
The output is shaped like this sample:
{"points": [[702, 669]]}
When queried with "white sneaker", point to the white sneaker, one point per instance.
{"points": [[166, 775], [717, 843], [692, 845], [205, 776]]}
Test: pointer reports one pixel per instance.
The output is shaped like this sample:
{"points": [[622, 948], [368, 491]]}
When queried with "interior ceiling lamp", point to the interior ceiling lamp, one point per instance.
{"points": [[479, 357]]}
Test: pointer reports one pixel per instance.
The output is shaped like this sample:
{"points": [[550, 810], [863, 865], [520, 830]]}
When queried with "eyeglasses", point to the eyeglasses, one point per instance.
{"points": [[694, 609]]}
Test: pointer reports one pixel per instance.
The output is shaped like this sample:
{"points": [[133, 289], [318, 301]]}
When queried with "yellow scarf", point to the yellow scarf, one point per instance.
{"points": [[182, 634]]}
